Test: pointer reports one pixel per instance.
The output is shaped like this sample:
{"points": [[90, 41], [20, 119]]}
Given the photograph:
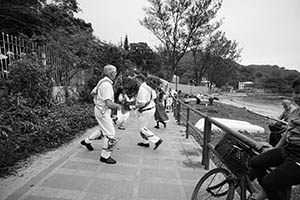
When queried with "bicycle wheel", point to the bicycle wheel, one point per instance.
{"points": [[216, 184]]}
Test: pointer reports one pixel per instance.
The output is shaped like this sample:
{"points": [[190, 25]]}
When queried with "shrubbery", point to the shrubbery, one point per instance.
{"points": [[26, 131], [29, 122], [30, 80]]}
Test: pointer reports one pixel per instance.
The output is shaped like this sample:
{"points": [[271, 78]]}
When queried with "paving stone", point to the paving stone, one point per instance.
{"points": [[95, 196], [126, 159], [68, 182], [158, 163], [116, 169], [163, 173], [190, 174], [160, 191], [81, 166], [55, 193], [116, 188], [42, 198], [85, 154]]}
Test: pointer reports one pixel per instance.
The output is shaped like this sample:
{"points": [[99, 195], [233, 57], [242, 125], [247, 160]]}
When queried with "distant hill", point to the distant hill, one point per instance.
{"points": [[264, 76], [272, 70]]}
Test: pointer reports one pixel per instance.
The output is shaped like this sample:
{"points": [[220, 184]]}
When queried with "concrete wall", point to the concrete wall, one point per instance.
{"points": [[189, 89]]}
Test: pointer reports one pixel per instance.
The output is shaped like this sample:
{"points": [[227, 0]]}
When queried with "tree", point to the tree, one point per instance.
{"points": [[20, 17], [220, 53], [126, 46], [144, 58], [176, 22], [277, 85]]}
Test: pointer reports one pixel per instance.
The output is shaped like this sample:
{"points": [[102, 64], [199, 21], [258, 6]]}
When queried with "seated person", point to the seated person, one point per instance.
{"points": [[278, 127], [288, 107], [285, 156]]}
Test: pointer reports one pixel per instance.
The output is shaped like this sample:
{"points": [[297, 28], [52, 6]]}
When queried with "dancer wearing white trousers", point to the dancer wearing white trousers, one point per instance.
{"points": [[104, 102], [145, 111]]}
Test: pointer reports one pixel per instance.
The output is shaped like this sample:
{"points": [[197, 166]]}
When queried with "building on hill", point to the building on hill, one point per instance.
{"points": [[247, 85]]}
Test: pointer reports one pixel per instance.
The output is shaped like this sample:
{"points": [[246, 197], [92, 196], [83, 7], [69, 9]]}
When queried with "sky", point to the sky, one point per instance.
{"points": [[268, 31]]}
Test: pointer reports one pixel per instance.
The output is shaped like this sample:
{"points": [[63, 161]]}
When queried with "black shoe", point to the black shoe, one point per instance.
{"points": [[158, 143], [108, 160], [156, 127], [87, 145], [121, 127], [165, 124], [143, 144]]}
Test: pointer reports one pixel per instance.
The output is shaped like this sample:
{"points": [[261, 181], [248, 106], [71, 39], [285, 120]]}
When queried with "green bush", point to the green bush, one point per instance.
{"points": [[31, 81], [29, 122], [25, 131]]}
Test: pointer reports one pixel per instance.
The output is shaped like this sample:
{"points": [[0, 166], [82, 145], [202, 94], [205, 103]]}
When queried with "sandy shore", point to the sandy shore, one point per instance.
{"points": [[270, 108]]}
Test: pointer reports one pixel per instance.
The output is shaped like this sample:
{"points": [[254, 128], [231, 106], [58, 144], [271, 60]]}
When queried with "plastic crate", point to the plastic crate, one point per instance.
{"points": [[235, 154]]}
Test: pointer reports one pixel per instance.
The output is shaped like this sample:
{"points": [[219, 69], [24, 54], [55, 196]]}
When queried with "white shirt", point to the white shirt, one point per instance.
{"points": [[145, 94], [103, 91]]}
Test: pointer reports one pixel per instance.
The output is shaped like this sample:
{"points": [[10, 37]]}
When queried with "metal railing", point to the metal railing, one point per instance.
{"points": [[13, 48], [207, 146]]}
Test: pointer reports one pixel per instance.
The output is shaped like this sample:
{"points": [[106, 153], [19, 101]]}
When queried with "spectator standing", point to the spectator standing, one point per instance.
{"points": [[160, 115]]}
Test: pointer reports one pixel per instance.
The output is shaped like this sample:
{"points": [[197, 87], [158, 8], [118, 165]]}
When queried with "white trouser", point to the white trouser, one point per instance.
{"points": [[143, 120], [107, 129]]}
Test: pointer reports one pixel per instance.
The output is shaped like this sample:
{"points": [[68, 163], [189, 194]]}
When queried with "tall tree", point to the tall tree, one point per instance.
{"points": [[176, 22], [126, 45], [145, 59], [222, 50], [20, 17]]}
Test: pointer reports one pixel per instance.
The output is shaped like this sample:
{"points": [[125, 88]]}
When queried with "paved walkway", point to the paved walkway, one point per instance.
{"points": [[170, 172]]}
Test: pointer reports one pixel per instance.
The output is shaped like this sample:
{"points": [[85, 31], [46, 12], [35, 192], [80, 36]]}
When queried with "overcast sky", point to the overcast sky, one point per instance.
{"points": [[267, 30]]}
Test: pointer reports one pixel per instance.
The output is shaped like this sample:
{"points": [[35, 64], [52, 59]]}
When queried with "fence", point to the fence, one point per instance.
{"points": [[205, 136], [13, 48]]}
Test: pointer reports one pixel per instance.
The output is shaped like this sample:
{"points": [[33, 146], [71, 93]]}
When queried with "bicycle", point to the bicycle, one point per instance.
{"points": [[223, 183]]}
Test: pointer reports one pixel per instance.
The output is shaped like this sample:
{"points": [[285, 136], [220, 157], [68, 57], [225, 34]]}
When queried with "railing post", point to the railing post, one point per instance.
{"points": [[178, 112], [206, 140], [174, 107], [187, 123]]}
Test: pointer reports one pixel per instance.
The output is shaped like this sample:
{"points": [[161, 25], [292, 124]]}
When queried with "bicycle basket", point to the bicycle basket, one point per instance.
{"points": [[235, 154]]}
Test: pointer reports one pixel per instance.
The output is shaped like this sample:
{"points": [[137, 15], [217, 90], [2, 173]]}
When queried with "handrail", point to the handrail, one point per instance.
{"points": [[207, 146]]}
